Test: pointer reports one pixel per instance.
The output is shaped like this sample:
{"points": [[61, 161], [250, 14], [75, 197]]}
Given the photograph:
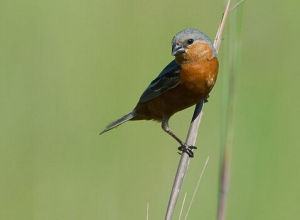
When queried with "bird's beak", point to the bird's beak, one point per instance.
{"points": [[176, 50]]}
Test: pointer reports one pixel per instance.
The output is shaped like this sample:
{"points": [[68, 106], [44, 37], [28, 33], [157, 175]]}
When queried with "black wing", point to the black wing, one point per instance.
{"points": [[167, 79]]}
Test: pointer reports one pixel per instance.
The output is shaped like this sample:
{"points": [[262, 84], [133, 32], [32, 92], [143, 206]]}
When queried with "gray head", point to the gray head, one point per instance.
{"points": [[183, 39]]}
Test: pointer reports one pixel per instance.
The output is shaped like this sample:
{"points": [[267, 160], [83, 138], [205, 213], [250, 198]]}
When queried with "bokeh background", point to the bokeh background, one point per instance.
{"points": [[69, 67]]}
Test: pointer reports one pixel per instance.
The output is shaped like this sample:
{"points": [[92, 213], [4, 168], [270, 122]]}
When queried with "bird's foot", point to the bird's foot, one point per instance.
{"points": [[187, 149]]}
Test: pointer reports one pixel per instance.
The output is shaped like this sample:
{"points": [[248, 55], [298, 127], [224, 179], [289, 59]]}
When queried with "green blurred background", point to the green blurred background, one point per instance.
{"points": [[67, 68]]}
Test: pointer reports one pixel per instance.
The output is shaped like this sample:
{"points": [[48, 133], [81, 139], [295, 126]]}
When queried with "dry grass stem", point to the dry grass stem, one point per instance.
{"points": [[147, 211], [236, 5], [192, 133], [217, 41], [229, 95], [196, 188], [182, 206]]}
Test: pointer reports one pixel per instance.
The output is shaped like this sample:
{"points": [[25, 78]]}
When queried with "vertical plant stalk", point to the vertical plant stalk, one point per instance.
{"points": [[147, 211], [193, 131], [224, 184], [196, 189], [182, 206], [228, 122]]}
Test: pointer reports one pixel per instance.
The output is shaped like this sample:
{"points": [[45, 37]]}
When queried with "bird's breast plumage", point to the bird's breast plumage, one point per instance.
{"points": [[200, 77], [199, 68]]}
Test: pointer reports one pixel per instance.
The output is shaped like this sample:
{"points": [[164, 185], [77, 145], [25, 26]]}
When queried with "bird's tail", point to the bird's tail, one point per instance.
{"points": [[119, 122]]}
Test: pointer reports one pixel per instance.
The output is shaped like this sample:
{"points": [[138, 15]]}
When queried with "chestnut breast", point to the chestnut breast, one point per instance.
{"points": [[199, 68]]}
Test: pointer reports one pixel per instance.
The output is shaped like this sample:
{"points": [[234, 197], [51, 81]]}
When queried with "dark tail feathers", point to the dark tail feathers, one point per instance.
{"points": [[118, 122]]}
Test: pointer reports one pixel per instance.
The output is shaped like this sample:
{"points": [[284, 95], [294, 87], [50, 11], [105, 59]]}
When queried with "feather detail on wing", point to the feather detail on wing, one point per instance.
{"points": [[166, 80]]}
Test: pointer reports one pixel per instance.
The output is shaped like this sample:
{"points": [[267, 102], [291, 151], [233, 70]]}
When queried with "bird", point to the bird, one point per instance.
{"points": [[184, 82]]}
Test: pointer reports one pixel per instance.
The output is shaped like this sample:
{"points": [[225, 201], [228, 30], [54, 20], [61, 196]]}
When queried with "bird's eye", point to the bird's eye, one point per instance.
{"points": [[190, 41]]}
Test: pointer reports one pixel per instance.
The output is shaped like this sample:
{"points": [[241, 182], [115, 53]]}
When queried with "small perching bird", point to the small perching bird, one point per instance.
{"points": [[185, 81]]}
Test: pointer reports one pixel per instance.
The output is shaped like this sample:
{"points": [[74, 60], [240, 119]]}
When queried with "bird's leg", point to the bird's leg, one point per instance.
{"points": [[182, 147], [166, 128]]}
